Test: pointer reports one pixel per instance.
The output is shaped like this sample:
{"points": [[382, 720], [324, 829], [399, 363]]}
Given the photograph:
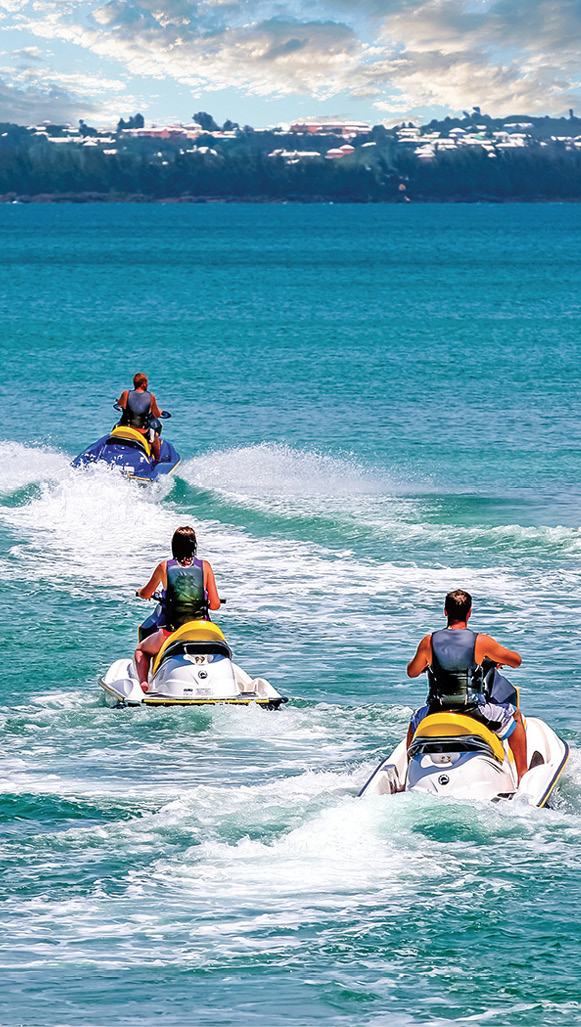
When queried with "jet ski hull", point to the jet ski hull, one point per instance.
{"points": [[130, 458], [470, 767], [113, 699], [194, 668]]}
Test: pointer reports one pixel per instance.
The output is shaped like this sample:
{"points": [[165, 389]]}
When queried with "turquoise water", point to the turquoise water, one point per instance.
{"points": [[373, 405]]}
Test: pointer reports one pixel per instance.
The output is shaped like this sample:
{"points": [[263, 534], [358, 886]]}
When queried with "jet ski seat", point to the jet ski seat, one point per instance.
{"points": [[201, 634], [454, 732], [130, 435]]}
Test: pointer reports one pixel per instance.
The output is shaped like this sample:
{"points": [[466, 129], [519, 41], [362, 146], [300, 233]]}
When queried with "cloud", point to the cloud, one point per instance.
{"points": [[28, 54], [431, 79], [31, 92], [403, 55], [270, 57], [33, 105], [506, 55]]}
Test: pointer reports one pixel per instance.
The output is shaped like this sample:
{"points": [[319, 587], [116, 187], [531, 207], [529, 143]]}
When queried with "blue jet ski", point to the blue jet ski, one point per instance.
{"points": [[130, 451]]}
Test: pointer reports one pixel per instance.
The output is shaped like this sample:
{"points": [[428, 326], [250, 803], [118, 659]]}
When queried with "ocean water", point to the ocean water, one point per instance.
{"points": [[373, 405]]}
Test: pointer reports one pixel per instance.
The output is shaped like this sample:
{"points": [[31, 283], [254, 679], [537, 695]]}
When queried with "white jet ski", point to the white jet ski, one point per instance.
{"points": [[193, 668], [455, 755]]}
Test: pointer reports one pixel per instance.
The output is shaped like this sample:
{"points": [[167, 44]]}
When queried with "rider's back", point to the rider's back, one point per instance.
{"points": [[137, 409], [185, 596]]}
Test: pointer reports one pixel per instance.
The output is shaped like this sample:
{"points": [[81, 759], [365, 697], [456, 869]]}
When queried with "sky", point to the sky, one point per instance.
{"points": [[261, 62]]}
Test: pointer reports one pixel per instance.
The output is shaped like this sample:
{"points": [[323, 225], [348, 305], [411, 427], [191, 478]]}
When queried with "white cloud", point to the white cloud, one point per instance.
{"points": [[28, 53], [401, 54]]}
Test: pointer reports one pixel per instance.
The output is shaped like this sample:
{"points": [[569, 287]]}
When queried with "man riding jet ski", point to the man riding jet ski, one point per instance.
{"points": [[182, 657], [141, 412], [453, 658], [471, 727], [134, 444]]}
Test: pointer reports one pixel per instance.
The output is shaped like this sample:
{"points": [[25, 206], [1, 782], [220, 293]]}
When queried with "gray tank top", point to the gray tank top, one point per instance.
{"points": [[454, 676], [454, 648], [136, 413]]}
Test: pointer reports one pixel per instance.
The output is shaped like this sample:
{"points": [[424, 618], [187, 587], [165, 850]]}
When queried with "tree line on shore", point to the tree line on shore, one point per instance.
{"points": [[240, 168]]}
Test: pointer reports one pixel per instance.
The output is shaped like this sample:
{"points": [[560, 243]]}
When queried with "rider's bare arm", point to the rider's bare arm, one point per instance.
{"points": [[122, 401], [487, 648], [422, 659], [159, 577], [210, 586], [154, 407]]}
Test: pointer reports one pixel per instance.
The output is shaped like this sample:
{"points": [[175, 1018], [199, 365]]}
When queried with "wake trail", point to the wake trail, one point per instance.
{"points": [[94, 528], [22, 465], [352, 500]]}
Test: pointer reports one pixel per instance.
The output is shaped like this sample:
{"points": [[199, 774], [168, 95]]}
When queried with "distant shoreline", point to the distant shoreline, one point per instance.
{"points": [[474, 159], [78, 199]]}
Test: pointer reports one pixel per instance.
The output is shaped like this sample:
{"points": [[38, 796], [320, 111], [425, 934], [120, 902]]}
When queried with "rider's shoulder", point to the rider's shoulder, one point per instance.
{"points": [[483, 639], [485, 643]]}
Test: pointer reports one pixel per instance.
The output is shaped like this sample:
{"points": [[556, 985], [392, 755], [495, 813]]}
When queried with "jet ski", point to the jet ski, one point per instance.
{"points": [[130, 451], [452, 754], [194, 667]]}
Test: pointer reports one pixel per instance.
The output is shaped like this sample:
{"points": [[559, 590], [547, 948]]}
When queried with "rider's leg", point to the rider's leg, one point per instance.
{"points": [[518, 744], [145, 650], [156, 447], [415, 720]]}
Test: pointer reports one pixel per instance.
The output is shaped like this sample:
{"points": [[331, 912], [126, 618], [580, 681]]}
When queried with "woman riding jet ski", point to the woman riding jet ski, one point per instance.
{"points": [[134, 443], [470, 739], [186, 661]]}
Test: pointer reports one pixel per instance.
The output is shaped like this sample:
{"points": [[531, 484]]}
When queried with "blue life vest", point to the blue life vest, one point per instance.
{"points": [[185, 596]]}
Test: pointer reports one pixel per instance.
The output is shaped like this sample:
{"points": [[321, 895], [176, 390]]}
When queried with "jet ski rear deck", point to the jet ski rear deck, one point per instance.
{"points": [[455, 755], [130, 452], [194, 667]]}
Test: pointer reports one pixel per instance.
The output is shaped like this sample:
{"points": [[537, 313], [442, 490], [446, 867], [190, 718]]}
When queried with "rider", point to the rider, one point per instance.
{"points": [[453, 659], [190, 589], [141, 412]]}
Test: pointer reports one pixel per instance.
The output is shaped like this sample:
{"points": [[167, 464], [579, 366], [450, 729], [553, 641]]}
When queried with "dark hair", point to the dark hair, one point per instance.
{"points": [[458, 605], [184, 544], [139, 379]]}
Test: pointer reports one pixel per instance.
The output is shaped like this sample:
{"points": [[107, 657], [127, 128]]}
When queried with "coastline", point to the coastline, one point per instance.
{"points": [[128, 198]]}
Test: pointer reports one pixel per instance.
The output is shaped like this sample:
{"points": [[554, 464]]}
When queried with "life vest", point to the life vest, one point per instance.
{"points": [[185, 596], [136, 412], [454, 677]]}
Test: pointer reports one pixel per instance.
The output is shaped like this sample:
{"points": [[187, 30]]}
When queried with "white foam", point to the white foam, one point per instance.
{"points": [[25, 465], [271, 471], [300, 483], [95, 530], [91, 525], [94, 525]]}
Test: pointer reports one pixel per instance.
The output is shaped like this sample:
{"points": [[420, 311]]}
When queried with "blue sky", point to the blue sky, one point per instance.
{"points": [[260, 62]]}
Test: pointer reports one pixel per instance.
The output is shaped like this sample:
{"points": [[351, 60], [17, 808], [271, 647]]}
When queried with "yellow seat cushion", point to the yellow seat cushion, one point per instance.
{"points": [[131, 435], [450, 725], [193, 631]]}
